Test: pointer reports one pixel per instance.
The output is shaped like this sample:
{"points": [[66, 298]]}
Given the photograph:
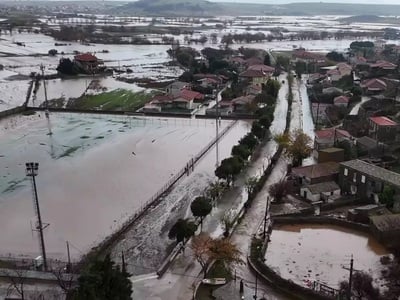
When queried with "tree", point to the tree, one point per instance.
{"points": [[102, 280], [335, 56], [251, 185], [17, 280], [226, 251], [227, 221], [249, 140], [278, 190], [215, 190], [297, 145], [283, 61], [201, 207], [258, 130], [272, 88], [362, 287], [267, 59], [387, 196], [182, 229], [300, 68], [241, 151], [229, 168], [201, 249]]}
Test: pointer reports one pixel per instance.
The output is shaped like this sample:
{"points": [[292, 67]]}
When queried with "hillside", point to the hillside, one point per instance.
{"points": [[370, 19], [206, 8]]}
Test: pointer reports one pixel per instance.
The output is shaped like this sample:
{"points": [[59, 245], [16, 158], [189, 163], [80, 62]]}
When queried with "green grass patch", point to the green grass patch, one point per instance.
{"points": [[118, 100]]}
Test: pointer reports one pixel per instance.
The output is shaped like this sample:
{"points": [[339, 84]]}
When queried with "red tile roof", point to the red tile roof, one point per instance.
{"points": [[307, 55], [190, 95], [341, 99], [263, 68], [383, 121], [86, 57], [253, 74], [374, 84], [330, 133], [254, 61], [382, 64]]}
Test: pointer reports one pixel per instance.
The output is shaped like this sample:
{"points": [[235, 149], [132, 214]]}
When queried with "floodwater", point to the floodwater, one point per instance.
{"points": [[95, 171], [321, 253]]}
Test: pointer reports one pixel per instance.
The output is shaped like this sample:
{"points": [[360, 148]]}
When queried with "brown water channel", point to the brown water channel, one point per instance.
{"points": [[322, 253]]}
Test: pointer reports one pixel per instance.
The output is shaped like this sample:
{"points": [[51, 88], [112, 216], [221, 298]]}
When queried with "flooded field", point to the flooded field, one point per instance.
{"points": [[320, 253], [102, 166]]}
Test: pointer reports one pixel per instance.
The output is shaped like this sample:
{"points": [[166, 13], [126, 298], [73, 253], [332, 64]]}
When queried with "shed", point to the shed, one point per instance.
{"points": [[386, 228], [325, 191]]}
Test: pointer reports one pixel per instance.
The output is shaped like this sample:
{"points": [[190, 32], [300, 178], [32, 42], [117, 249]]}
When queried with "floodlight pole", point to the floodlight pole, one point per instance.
{"points": [[32, 171]]}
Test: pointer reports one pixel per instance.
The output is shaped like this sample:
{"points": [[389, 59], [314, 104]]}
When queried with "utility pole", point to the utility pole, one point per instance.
{"points": [[255, 291], [123, 262], [69, 259], [32, 171], [350, 278], [216, 133], [44, 86], [265, 218]]}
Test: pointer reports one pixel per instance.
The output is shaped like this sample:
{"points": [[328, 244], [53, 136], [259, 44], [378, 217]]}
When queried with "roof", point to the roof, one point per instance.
{"points": [[331, 150], [317, 170], [243, 100], [374, 84], [161, 98], [330, 133], [264, 68], [178, 84], [386, 222], [238, 59], [254, 61], [373, 171], [323, 187], [383, 121], [331, 90], [253, 73], [341, 99], [190, 95], [382, 64], [86, 57], [367, 142], [301, 53]]}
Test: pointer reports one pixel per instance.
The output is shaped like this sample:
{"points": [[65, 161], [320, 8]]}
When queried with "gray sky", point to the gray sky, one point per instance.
{"points": [[294, 1]]}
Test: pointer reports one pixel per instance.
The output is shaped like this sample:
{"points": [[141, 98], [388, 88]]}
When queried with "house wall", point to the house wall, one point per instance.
{"points": [[328, 195], [304, 191]]}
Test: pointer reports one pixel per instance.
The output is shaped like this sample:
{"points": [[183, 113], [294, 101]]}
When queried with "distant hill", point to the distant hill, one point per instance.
{"points": [[206, 8], [172, 8], [370, 19]]}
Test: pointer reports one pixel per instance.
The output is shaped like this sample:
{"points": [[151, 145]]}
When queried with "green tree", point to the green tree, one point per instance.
{"points": [[267, 59], [182, 230], [335, 56], [251, 185], [241, 151], [272, 87], [283, 61], [249, 140], [258, 130], [201, 207], [229, 168], [387, 196], [300, 68], [297, 145], [215, 190], [102, 280]]}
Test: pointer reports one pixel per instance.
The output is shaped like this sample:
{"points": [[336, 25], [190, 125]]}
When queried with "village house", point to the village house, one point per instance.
{"points": [[383, 129], [225, 108], [373, 86], [253, 89], [316, 173], [331, 154], [324, 191], [174, 88], [365, 180], [256, 77], [87, 62], [383, 65], [243, 104], [254, 61], [329, 137], [386, 229], [185, 100], [308, 57], [341, 101], [362, 214], [339, 71], [369, 147]]}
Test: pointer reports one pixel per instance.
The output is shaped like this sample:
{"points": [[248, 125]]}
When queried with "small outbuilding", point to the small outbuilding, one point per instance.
{"points": [[325, 191]]}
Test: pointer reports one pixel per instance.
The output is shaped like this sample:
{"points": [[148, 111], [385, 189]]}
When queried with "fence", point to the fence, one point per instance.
{"points": [[157, 197]]}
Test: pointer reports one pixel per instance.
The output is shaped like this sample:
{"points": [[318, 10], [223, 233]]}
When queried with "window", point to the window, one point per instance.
{"points": [[346, 172], [362, 178], [354, 177]]}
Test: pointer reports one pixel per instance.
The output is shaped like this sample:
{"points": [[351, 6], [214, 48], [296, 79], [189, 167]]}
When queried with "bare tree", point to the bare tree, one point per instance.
{"points": [[66, 281], [17, 282]]}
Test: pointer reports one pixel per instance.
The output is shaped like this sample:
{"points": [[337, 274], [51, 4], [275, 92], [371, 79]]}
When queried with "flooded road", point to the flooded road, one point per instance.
{"points": [[95, 171], [312, 252]]}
